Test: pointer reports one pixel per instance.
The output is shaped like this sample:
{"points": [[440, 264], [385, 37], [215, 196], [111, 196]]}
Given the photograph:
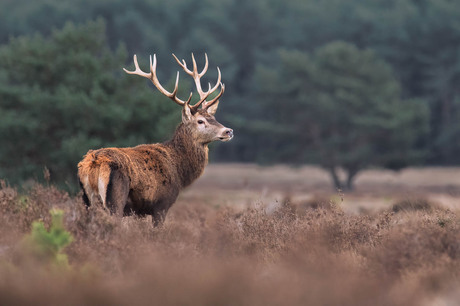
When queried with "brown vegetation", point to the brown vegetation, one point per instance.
{"points": [[298, 253]]}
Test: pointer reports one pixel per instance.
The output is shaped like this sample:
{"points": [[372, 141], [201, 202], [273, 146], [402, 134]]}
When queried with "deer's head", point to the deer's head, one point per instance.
{"points": [[200, 116]]}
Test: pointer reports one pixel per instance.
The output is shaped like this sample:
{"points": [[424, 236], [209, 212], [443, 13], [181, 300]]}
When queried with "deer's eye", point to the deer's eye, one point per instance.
{"points": [[200, 121]]}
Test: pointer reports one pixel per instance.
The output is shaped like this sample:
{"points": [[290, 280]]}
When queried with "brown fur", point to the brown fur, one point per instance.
{"points": [[146, 179]]}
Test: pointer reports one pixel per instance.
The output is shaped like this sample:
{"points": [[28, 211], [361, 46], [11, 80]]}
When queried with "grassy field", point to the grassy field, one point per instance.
{"points": [[247, 235], [240, 185]]}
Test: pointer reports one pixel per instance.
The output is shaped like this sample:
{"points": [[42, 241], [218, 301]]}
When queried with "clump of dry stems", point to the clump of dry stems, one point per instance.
{"points": [[296, 255]]}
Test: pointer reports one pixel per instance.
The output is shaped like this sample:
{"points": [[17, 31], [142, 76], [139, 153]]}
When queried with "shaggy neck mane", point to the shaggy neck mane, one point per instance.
{"points": [[192, 156]]}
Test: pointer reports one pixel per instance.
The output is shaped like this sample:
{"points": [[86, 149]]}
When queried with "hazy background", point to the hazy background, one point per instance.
{"points": [[341, 84]]}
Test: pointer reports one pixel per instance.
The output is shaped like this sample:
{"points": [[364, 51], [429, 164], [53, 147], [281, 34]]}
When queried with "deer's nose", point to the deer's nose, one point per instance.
{"points": [[229, 132]]}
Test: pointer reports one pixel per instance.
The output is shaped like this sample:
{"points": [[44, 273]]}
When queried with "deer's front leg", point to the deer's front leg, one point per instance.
{"points": [[158, 217]]}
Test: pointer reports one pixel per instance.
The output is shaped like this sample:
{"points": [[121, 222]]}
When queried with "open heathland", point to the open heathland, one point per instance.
{"points": [[243, 235]]}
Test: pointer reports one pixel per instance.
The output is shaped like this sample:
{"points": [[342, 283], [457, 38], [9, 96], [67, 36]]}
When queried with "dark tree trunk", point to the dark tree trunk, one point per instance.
{"points": [[335, 178], [348, 184], [350, 178]]}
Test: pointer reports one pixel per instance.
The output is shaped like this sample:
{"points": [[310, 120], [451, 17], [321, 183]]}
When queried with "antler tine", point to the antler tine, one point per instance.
{"points": [[219, 77], [152, 76], [189, 99], [202, 99], [205, 66], [194, 73], [183, 64], [208, 104], [138, 71], [176, 86], [154, 79], [195, 68], [210, 90], [205, 95]]}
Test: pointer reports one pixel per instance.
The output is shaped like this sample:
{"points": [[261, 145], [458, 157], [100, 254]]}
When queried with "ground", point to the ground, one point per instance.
{"points": [[243, 235], [242, 185]]}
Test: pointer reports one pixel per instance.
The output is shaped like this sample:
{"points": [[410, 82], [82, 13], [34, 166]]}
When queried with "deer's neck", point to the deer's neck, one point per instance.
{"points": [[192, 156]]}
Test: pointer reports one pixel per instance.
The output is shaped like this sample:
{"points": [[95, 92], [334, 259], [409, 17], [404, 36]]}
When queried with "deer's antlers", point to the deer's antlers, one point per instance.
{"points": [[152, 76]]}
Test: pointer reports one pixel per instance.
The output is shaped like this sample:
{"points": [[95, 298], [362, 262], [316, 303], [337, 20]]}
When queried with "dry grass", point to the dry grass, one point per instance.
{"points": [[304, 248]]}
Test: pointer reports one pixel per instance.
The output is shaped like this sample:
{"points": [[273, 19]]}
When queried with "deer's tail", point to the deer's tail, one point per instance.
{"points": [[94, 175]]}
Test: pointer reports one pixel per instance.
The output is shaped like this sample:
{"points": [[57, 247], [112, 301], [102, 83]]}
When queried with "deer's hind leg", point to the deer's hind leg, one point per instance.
{"points": [[84, 195], [117, 192]]}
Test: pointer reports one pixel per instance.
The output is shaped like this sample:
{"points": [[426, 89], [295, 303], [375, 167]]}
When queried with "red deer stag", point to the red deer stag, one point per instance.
{"points": [[146, 179]]}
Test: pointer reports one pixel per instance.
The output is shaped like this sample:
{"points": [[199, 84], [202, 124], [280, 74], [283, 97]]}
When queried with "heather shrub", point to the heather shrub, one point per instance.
{"points": [[411, 204], [419, 241], [211, 255], [317, 202]]}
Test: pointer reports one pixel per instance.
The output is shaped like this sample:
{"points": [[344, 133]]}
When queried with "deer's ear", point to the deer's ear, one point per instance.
{"points": [[186, 113], [213, 108]]}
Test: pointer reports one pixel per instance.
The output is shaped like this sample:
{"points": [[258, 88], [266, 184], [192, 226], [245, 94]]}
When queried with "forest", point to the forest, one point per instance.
{"points": [[341, 84]]}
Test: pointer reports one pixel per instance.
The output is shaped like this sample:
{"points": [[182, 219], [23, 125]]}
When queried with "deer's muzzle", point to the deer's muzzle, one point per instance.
{"points": [[226, 135]]}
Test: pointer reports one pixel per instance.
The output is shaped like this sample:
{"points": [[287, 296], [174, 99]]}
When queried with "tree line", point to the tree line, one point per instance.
{"points": [[343, 84]]}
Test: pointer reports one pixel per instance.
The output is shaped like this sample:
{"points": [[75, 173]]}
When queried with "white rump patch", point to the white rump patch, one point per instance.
{"points": [[102, 186]]}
